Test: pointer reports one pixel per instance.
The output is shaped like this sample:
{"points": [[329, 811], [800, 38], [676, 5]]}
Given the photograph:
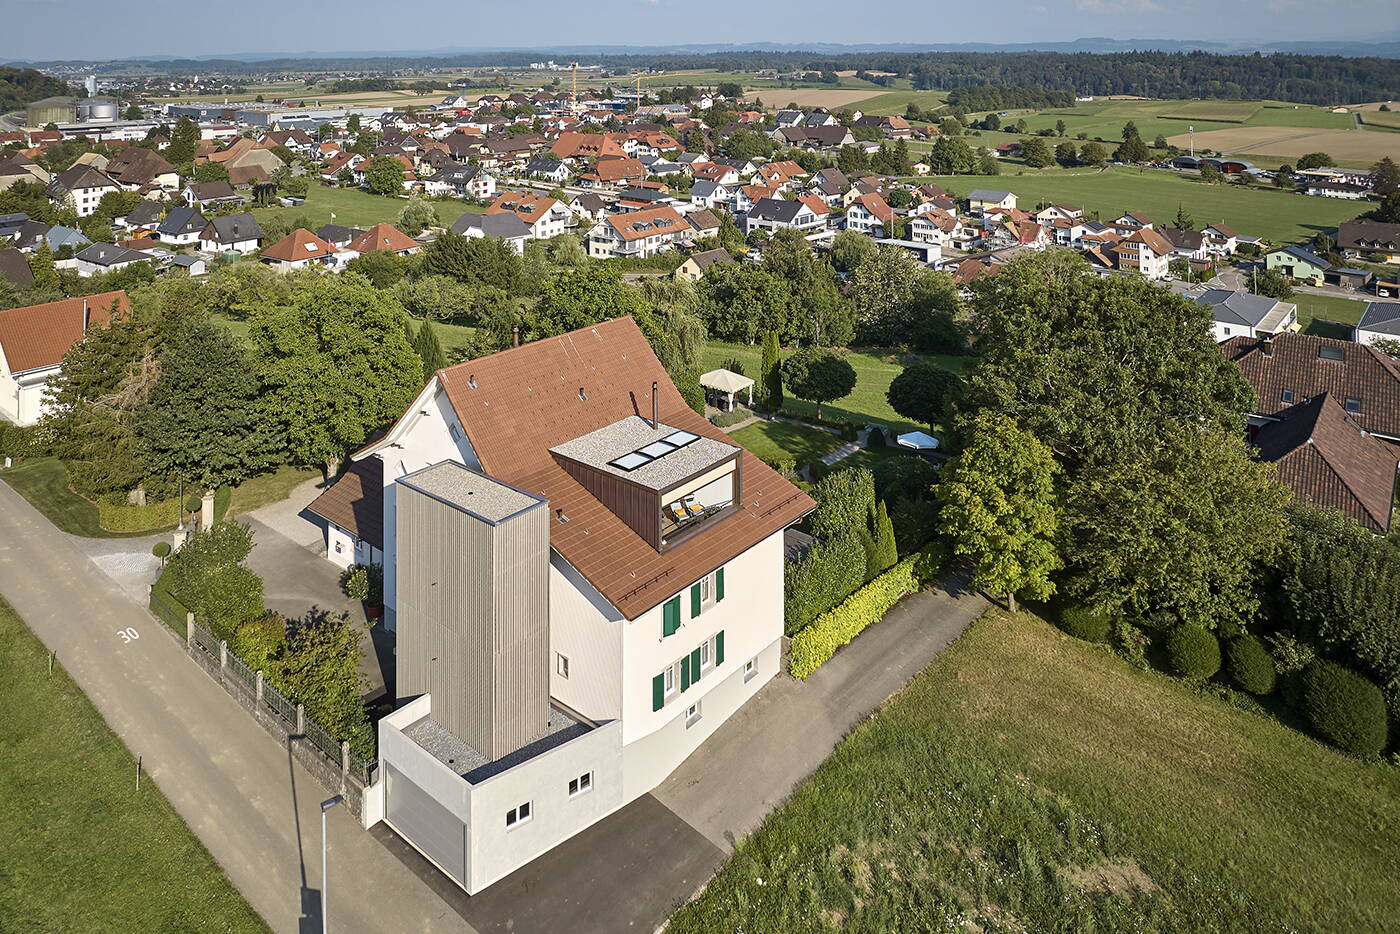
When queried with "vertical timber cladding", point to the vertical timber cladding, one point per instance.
{"points": [[473, 605]]}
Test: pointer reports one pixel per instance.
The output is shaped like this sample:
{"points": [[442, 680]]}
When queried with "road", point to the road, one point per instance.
{"points": [[255, 809]]}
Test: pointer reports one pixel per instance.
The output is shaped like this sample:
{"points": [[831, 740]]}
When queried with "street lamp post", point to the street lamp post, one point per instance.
{"points": [[326, 805]]}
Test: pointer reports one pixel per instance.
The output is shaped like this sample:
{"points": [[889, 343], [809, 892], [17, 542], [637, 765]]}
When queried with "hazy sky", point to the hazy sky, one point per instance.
{"points": [[43, 29]]}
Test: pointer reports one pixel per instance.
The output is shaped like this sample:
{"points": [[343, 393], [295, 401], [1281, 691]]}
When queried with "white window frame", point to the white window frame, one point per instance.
{"points": [[581, 785], [561, 664], [522, 813], [706, 654], [670, 680], [692, 714]]}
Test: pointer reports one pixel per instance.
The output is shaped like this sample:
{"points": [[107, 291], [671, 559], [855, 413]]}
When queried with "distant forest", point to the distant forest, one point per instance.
{"points": [[1311, 79], [20, 86]]}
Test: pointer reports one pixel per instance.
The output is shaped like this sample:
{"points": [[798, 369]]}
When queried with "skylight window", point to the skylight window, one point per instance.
{"points": [[631, 461], [656, 449]]}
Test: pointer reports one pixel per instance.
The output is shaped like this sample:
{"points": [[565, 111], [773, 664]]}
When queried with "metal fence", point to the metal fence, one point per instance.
{"points": [[205, 640], [242, 673], [279, 704], [323, 740]]}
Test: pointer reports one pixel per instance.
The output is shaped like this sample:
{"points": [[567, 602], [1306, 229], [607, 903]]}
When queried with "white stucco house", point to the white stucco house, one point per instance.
{"points": [[1380, 321], [33, 341], [585, 579]]}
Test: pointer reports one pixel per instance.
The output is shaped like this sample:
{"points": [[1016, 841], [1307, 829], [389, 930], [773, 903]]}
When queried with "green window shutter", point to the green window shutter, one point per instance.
{"points": [[694, 600], [719, 585], [671, 617], [695, 663], [658, 692], [685, 673], [719, 648]]}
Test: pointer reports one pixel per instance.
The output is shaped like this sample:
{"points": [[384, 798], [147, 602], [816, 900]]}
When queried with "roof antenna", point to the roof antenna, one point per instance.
{"points": [[655, 408]]}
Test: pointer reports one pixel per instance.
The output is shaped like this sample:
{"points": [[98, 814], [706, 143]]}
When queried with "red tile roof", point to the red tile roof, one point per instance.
{"points": [[1330, 461], [517, 404], [38, 336], [383, 237], [637, 225], [355, 502], [297, 245]]}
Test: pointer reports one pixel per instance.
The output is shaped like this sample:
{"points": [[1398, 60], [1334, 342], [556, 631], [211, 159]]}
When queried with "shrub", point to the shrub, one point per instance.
{"points": [[1251, 666], [1130, 643], [125, 517], [161, 550], [1289, 653], [817, 642], [207, 575], [260, 642], [821, 579], [876, 438], [1193, 652], [354, 580], [725, 419], [733, 365], [1345, 708], [1087, 623]]}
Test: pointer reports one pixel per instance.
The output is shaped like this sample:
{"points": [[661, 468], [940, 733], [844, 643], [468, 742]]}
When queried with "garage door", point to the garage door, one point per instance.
{"points": [[425, 823]]}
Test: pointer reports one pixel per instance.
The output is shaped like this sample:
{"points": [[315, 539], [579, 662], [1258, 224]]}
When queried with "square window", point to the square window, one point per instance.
{"points": [[578, 786], [561, 665], [692, 715], [1287, 395], [518, 815]]}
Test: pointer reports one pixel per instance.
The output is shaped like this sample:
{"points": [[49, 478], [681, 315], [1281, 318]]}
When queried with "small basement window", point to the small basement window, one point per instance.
{"points": [[578, 786], [561, 665], [518, 814]]}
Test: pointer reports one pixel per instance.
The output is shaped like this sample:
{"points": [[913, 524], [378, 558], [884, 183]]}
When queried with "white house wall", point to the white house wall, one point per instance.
{"points": [[427, 440], [23, 396], [587, 630], [751, 616]]}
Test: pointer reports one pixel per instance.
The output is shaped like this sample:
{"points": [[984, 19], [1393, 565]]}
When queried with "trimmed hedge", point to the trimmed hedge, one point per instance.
{"points": [[1193, 651], [1345, 708], [1251, 666], [726, 419], [818, 641], [127, 518], [1087, 623]]}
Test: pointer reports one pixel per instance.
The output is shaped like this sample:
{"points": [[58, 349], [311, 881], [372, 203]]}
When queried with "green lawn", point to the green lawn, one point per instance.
{"points": [[84, 850], [43, 481], [866, 403], [1327, 315], [894, 103], [770, 440], [1280, 216], [450, 336], [355, 208], [1030, 782]]}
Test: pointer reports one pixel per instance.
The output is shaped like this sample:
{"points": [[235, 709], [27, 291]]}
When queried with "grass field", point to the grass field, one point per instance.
{"points": [[354, 208], [84, 850], [866, 403], [1388, 119], [1278, 215], [1227, 111], [769, 440], [1328, 315], [1030, 782]]}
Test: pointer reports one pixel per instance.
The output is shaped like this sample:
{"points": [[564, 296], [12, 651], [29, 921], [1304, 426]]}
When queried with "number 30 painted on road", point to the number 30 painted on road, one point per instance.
{"points": [[128, 634]]}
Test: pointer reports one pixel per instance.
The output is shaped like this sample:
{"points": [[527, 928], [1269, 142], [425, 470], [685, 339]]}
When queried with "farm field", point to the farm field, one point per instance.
{"points": [[1104, 119], [84, 850], [1389, 119], [832, 99], [355, 208], [894, 103], [1027, 781], [1279, 144], [1277, 215], [866, 403]]}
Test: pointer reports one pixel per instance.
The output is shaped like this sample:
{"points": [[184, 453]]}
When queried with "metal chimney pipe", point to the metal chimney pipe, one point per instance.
{"points": [[655, 407], [515, 332]]}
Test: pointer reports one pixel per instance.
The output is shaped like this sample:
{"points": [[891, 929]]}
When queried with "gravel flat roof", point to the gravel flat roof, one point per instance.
{"points": [[598, 449], [472, 492], [460, 756]]}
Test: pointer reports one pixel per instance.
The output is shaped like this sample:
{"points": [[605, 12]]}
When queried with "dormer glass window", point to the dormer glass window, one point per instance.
{"points": [[1286, 395]]}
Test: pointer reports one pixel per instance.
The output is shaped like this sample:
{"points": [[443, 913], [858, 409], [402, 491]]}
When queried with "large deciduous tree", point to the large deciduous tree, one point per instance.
{"points": [[924, 392], [335, 363], [1001, 509], [818, 375], [201, 420], [384, 175]]}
